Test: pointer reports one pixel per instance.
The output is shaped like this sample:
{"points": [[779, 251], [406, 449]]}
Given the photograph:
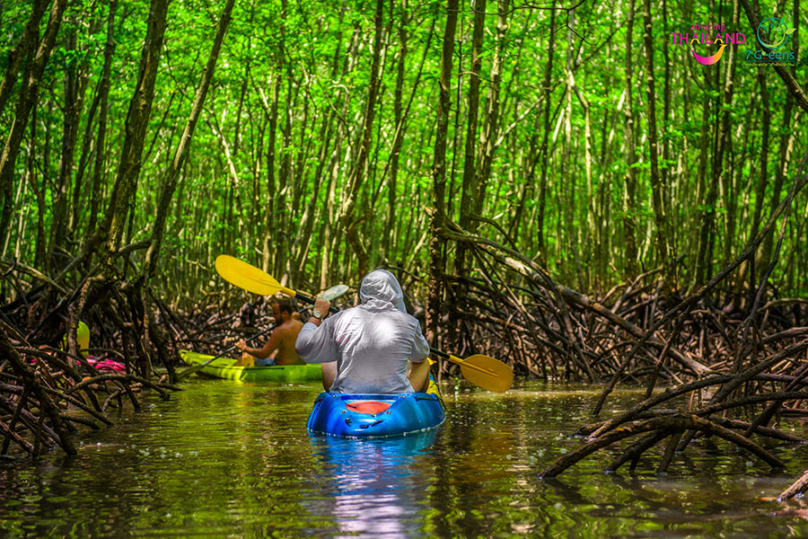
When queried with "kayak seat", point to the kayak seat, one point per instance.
{"points": [[368, 407]]}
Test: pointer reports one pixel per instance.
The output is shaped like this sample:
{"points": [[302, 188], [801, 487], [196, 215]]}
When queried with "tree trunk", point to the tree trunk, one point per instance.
{"points": [[28, 97], [25, 46], [269, 209], [658, 187], [730, 178], [701, 189], [470, 159], [489, 134], [300, 246], [181, 154], [389, 239], [437, 260], [629, 200], [707, 231], [786, 146], [75, 84], [100, 145], [351, 224], [137, 122], [545, 156]]}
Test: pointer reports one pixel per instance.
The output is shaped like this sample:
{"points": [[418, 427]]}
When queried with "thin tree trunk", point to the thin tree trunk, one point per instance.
{"points": [[629, 201], [269, 209], [437, 260], [666, 116], [787, 135], [25, 46], [489, 134], [40, 254], [590, 198], [658, 187], [548, 91], [75, 84], [137, 121], [470, 159], [702, 188], [184, 146], [100, 145], [729, 177], [302, 240], [351, 224], [388, 239], [28, 97]]}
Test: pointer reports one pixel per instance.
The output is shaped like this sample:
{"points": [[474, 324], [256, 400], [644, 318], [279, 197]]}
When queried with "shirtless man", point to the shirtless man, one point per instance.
{"points": [[282, 341]]}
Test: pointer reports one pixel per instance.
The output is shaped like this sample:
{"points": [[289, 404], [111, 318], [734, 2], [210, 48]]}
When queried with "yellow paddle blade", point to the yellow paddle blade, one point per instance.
{"points": [[485, 372], [248, 277]]}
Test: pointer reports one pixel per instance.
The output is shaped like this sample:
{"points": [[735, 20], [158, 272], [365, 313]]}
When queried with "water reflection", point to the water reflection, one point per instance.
{"points": [[375, 488], [223, 460]]}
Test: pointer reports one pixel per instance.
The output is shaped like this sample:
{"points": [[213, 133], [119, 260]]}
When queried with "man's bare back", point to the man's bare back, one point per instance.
{"points": [[281, 342], [286, 354]]}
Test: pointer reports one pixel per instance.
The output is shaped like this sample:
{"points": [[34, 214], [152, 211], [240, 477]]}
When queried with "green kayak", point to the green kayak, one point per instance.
{"points": [[222, 368]]}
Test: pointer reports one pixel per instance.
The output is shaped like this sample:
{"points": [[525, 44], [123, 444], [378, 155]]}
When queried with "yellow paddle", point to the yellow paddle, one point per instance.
{"points": [[257, 281], [483, 371]]}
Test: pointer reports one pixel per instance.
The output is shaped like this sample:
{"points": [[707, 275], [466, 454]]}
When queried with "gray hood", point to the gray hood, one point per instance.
{"points": [[380, 291]]}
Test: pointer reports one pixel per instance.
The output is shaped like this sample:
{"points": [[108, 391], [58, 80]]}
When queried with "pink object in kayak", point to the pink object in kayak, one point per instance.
{"points": [[100, 364], [106, 365]]}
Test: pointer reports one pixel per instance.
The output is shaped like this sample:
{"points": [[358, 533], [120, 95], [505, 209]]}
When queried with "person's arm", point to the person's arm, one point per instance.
{"points": [[419, 376], [315, 342], [419, 368], [420, 348], [270, 346]]}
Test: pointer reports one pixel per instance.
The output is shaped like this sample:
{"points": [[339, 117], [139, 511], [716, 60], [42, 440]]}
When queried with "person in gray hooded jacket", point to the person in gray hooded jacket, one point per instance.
{"points": [[365, 349]]}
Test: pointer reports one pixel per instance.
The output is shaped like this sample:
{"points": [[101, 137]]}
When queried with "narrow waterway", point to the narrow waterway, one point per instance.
{"points": [[231, 460]]}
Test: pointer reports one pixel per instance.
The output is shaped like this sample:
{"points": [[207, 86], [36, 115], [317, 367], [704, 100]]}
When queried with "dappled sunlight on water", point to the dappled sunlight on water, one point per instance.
{"points": [[226, 459]]}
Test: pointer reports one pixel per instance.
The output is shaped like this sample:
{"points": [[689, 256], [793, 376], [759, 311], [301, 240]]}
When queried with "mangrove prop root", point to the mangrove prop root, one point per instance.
{"points": [[633, 453], [798, 488], [47, 406], [665, 424], [11, 435]]}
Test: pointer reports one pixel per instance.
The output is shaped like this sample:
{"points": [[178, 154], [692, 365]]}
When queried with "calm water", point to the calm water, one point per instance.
{"points": [[229, 460]]}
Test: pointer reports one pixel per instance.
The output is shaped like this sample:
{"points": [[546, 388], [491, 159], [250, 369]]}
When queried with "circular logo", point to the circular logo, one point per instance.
{"points": [[773, 33]]}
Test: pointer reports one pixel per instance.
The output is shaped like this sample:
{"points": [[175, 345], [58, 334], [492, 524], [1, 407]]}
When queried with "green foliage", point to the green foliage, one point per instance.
{"points": [[315, 56]]}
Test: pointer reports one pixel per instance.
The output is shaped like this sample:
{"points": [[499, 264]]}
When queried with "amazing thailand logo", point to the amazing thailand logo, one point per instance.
{"points": [[705, 35], [773, 35]]}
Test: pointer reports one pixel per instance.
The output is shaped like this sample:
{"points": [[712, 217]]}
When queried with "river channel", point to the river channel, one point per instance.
{"points": [[223, 459]]}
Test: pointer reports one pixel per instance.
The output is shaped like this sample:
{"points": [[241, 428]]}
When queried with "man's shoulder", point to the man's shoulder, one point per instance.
{"points": [[290, 326]]}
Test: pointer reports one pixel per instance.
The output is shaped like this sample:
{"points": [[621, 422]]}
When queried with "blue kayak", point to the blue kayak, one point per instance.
{"points": [[376, 416]]}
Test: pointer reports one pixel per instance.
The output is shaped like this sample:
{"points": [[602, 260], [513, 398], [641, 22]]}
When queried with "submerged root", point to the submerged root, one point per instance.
{"points": [[662, 427], [797, 489]]}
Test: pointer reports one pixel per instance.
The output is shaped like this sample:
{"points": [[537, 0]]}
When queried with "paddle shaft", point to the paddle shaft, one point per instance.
{"points": [[246, 341], [310, 300], [459, 361], [195, 368]]}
